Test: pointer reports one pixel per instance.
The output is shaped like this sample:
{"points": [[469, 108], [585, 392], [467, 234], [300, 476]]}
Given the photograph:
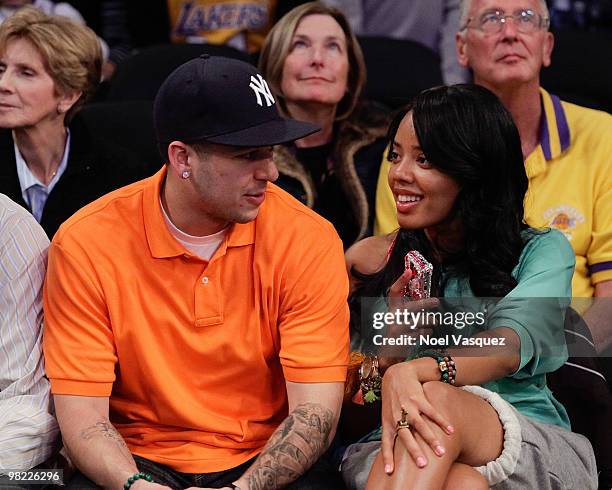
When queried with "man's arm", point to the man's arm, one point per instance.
{"points": [[93, 444], [599, 316], [29, 433], [300, 440]]}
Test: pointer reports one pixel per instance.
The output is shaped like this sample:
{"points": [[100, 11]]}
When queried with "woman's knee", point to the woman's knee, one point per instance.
{"points": [[464, 477]]}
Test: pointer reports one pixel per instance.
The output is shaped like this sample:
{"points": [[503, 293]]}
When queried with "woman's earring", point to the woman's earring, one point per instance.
{"points": [[186, 174]]}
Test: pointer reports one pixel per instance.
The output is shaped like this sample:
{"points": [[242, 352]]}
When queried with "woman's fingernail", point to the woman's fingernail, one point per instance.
{"points": [[450, 429], [388, 468], [440, 450], [421, 461]]}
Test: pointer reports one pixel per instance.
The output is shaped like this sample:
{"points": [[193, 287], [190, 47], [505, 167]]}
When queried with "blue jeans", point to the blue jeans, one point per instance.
{"points": [[322, 476]]}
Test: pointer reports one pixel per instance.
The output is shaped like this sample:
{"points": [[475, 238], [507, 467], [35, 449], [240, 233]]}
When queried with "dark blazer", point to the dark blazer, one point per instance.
{"points": [[95, 167]]}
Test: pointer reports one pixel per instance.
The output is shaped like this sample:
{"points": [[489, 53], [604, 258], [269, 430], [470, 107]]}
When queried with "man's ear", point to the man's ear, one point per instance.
{"points": [[547, 48], [461, 46], [178, 157]]}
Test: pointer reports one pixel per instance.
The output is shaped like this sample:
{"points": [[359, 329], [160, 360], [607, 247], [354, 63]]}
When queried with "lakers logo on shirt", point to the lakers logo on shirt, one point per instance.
{"points": [[564, 218]]}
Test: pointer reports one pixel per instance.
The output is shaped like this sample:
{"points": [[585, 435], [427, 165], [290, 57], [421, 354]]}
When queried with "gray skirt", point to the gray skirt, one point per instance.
{"points": [[535, 455]]}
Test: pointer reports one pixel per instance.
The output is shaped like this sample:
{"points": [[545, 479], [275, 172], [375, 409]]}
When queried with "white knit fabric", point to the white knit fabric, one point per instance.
{"points": [[501, 468]]}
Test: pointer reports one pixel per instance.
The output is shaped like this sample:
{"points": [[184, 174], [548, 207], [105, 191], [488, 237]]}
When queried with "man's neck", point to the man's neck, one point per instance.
{"points": [[42, 149], [523, 102], [178, 202], [320, 114]]}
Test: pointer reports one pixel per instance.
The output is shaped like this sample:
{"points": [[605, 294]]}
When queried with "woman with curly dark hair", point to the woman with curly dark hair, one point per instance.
{"points": [[478, 412]]}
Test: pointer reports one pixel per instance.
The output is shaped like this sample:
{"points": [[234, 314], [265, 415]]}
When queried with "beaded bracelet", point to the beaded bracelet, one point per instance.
{"points": [[370, 379], [448, 371], [136, 476]]}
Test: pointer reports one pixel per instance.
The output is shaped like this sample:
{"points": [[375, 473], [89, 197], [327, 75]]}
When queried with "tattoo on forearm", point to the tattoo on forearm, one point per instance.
{"points": [[293, 448], [106, 430]]}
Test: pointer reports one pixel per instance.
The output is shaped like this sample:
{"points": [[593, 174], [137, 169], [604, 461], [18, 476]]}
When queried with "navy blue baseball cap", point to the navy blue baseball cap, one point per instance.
{"points": [[224, 101]]}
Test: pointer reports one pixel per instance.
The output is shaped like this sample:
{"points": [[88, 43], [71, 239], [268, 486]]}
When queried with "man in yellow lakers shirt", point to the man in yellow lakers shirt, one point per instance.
{"points": [[567, 148], [242, 24]]}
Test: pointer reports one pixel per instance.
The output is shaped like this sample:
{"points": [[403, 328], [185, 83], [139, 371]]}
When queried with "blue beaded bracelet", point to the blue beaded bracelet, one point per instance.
{"points": [[446, 365], [136, 476]]}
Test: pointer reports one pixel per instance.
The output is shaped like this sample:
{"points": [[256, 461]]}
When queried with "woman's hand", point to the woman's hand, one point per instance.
{"points": [[397, 299], [403, 399], [401, 306]]}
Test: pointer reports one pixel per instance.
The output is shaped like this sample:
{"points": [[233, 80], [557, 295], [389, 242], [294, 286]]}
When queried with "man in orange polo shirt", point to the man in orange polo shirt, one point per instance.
{"points": [[196, 321]]}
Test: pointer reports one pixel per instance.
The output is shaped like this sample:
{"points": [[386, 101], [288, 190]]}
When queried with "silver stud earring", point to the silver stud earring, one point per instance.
{"points": [[186, 174]]}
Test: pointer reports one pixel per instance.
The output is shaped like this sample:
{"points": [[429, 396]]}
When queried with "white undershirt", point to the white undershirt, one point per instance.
{"points": [[202, 246]]}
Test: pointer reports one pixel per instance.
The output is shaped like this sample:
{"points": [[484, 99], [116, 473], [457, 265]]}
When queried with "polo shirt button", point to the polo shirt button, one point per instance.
{"points": [[205, 280]]}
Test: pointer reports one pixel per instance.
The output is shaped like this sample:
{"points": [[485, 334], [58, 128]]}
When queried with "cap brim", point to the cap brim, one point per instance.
{"points": [[270, 133]]}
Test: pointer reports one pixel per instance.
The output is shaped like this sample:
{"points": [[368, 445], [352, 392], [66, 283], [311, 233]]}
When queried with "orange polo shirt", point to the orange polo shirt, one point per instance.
{"points": [[194, 354]]}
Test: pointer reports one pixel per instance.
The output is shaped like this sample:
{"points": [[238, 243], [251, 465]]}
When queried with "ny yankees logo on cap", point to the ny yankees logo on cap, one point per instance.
{"points": [[210, 98], [260, 87]]}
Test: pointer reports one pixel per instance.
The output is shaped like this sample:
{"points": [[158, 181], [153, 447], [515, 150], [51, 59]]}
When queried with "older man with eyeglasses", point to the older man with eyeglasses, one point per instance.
{"points": [[567, 148]]}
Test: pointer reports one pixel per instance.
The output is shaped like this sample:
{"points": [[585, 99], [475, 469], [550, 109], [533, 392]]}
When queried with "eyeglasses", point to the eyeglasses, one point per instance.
{"points": [[492, 22]]}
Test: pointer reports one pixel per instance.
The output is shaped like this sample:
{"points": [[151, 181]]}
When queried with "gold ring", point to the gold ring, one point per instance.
{"points": [[402, 424]]}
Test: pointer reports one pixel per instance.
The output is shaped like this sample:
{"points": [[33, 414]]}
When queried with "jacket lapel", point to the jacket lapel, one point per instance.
{"points": [[9, 181]]}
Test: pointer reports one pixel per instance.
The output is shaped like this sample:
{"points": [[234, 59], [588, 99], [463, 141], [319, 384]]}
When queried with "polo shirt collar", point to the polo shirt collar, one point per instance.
{"points": [[161, 242], [554, 130]]}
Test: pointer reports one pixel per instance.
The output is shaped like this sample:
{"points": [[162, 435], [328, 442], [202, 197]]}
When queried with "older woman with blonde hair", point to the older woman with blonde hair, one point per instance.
{"points": [[315, 69], [49, 66]]}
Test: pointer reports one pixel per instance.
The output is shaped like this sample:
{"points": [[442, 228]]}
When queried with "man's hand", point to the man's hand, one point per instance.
{"points": [[146, 485]]}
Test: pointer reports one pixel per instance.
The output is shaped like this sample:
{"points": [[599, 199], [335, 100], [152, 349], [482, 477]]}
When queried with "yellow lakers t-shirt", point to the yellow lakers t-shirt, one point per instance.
{"points": [[570, 187]]}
